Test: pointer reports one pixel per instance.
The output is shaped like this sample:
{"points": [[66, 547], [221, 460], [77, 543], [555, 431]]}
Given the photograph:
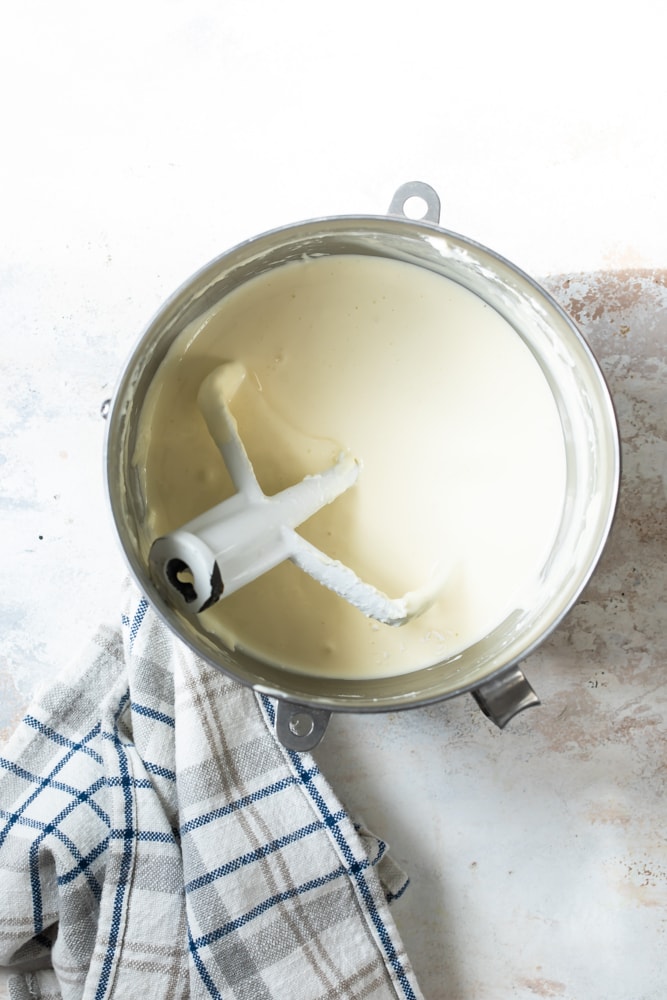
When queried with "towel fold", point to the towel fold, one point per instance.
{"points": [[157, 840]]}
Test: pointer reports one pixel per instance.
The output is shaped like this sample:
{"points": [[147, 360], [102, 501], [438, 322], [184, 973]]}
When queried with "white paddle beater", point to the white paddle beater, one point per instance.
{"points": [[248, 534]]}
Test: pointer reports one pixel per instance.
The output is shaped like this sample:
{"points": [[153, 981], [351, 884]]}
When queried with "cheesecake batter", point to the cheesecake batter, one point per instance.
{"points": [[456, 428]]}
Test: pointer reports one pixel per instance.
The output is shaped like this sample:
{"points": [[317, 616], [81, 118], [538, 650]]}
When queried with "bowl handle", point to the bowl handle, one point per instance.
{"points": [[424, 193], [299, 727], [505, 695]]}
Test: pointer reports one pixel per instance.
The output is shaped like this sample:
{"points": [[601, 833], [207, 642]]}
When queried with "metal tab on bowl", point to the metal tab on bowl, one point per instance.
{"points": [[504, 696], [299, 727], [421, 192]]}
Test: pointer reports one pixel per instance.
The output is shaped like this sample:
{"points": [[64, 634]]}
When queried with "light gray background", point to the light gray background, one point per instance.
{"points": [[141, 140]]}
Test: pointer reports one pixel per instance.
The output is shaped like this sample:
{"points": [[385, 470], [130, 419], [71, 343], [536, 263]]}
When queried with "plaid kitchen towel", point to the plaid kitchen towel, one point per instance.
{"points": [[157, 841]]}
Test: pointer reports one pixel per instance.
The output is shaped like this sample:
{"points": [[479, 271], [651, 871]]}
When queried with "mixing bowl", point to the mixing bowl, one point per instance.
{"points": [[490, 668]]}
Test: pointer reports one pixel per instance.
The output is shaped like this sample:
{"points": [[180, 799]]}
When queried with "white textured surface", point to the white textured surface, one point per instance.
{"points": [[142, 140]]}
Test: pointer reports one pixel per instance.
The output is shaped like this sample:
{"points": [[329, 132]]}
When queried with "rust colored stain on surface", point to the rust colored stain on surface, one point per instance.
{"points": [[543, 987]]}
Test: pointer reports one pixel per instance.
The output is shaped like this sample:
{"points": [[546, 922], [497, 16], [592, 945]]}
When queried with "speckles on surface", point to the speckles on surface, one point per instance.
{"points": [[620, 623], [543, 987]]}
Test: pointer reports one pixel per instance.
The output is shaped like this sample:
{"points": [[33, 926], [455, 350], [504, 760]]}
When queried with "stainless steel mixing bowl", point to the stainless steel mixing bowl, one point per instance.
{"points": [[490, 668]]}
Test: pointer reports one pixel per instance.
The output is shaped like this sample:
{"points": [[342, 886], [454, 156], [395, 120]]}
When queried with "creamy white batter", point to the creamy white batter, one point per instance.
{"points": [[463, 459]]}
